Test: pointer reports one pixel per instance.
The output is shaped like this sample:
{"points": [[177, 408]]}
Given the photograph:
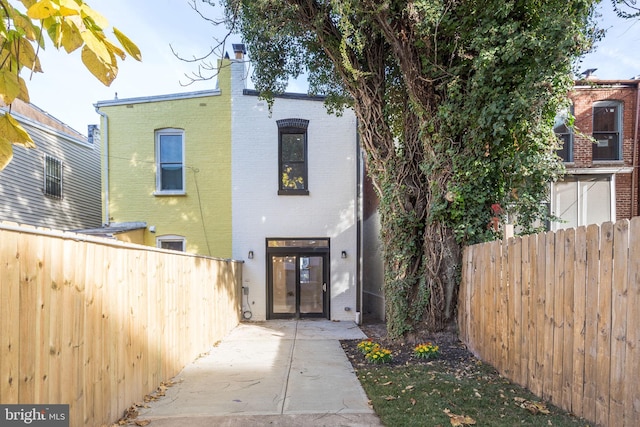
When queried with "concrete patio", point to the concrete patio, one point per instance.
{"points": [[283, 372]]}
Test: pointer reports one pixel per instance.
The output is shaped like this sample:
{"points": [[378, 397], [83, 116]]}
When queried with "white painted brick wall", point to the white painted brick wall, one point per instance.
{"points": [[328, 211]]}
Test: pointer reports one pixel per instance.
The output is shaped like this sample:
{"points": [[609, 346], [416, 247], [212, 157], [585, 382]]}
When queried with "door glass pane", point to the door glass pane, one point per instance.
{"points": [[284, 284], [311, 282], [302, 243]]}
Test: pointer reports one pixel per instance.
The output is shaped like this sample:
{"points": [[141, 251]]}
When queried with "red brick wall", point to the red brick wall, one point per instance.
{"points": [[583, 98]]}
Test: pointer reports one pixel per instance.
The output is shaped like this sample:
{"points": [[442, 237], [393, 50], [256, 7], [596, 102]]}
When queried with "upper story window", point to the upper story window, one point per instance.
{"points": [[564, 131], [170, 170], [52, 177], [607, 130], [292, 157]]}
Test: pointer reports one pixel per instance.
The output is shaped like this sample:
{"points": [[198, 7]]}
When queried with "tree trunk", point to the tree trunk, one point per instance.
{"points": [[421, 255], [421, 262]]}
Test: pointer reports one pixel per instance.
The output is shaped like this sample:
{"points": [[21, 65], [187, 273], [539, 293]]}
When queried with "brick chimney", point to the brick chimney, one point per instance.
{"points": [[239, 50]]}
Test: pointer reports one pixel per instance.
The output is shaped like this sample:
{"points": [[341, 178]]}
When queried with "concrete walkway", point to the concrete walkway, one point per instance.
{"points": [[284, 373]]}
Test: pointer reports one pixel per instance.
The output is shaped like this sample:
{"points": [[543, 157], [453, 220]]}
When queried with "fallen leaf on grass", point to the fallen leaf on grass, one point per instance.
{"points": [[390, 398], [459, 420], [531, 406], [410, 387], [387, 383], [413, 401]]}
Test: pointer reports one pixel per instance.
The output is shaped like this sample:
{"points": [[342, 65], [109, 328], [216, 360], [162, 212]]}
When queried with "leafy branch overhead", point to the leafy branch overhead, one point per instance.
{"points": [[69, 24], [627, 9]]}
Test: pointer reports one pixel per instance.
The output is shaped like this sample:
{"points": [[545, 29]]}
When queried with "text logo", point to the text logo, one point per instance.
{"points": [[34, 415]]}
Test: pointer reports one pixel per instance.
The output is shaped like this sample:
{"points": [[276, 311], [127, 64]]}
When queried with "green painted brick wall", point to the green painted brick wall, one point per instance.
{"points": [[203, 215]]}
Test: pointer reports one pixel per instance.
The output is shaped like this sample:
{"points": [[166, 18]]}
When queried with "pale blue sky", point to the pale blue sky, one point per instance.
{"points": [[67, 91]]}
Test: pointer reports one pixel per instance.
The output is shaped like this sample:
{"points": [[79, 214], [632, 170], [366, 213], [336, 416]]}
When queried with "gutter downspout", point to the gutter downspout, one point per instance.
{"points": [[105, 144], [634, 161], [360, 215]]}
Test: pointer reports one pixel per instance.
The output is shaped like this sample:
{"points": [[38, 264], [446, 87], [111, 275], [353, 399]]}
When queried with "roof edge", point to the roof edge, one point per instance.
{"points": [[287, 95], [158, 98]]}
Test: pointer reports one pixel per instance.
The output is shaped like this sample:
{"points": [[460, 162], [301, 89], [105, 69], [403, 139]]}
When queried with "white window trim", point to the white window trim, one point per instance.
{"points": [[564, 115], [171, 238], [612, 183], [159, 191]]}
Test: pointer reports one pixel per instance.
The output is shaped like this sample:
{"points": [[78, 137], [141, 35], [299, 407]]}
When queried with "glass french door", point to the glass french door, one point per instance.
{"points": [[297, 285]]}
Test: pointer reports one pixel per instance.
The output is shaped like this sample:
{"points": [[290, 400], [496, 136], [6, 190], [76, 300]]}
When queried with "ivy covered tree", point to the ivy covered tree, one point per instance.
{"points": [[455, 102], [69, 24]]}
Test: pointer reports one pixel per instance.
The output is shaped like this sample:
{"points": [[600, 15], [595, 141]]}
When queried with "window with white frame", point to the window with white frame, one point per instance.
{"points": [[607, 130], [52, 177], [564, 131], [582, 200], [171, 242], [170, 170]]}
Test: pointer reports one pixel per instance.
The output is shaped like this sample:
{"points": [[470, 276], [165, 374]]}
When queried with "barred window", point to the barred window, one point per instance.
{"points": [[52, 177]]}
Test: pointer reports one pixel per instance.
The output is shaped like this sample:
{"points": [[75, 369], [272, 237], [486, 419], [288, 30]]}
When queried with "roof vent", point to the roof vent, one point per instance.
{"points": [[589, 74]]}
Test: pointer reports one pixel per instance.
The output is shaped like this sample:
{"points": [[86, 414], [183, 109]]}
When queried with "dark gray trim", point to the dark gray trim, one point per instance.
{"points": [[293, 123], [287, 95], [293, 126]]}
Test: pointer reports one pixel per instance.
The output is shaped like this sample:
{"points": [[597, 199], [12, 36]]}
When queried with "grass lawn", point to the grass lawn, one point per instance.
{"points": [[454, 389], [435, 394]]}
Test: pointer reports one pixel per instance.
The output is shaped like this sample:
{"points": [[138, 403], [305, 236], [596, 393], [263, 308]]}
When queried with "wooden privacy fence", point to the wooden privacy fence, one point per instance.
{"points": [[98, 324], [559, 313]]}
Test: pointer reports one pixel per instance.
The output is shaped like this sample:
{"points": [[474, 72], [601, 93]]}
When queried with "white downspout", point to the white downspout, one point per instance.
{"points": [[104, 131]]}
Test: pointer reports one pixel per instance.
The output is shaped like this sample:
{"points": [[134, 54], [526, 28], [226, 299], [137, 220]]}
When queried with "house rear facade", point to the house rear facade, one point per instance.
{"points": [[297, 175], [219, 173], [600, 152], [57, 184], [166, 169]]}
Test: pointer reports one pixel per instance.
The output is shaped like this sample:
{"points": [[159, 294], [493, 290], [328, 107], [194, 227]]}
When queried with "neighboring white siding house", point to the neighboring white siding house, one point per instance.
{"points": [[296, 208], [55, 185]]}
